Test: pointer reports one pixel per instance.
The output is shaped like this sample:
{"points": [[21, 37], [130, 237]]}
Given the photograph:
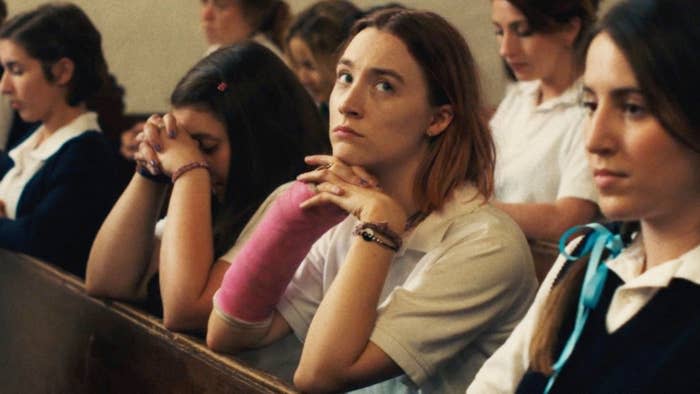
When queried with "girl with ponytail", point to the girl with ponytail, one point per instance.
{"points": [[620, 319]]}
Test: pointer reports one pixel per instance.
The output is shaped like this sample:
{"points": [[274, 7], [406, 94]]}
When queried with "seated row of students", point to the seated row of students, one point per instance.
{"points": [[32, 221], [412, 162], [384, 90], [388, 120]]}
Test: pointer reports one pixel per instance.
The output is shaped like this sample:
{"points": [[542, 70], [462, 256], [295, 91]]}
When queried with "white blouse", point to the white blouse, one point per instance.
{"points": [[29, 158]]}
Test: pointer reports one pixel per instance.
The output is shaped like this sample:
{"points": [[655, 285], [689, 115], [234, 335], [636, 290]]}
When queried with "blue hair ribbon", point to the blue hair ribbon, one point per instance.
{"points": [[596, 242]]}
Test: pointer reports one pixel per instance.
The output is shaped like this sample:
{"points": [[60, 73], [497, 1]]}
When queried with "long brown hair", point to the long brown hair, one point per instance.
{"points": [[659, 39], [271, 123], [562, 301], [465, 150]]}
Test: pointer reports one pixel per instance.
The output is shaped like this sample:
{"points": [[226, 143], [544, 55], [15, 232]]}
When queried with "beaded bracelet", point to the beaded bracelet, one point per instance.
{"points": [[379, 233], [188, 167]]}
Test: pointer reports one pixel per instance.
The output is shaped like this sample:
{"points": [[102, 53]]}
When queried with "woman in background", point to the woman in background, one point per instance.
{"points": [[57, 185], [542, 180], [227, 22], [635, 312], [313, 44]]}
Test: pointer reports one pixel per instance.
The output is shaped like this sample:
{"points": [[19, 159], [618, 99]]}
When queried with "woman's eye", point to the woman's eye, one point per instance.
{"points": [[15, 70], [344, 78], [385, 87], [634, 110], [207, 149], [589, 105]]}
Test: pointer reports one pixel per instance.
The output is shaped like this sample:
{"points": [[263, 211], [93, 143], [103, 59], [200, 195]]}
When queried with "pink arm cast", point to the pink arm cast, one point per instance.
{"points": [[260, 272]]}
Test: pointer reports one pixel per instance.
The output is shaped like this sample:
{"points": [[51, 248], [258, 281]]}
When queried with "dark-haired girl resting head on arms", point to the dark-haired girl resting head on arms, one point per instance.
{"points": [[240, 126]]}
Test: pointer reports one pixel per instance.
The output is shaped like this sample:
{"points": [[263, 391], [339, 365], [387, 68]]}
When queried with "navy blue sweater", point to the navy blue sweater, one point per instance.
{"points": [[657, 351], [64, 203]]}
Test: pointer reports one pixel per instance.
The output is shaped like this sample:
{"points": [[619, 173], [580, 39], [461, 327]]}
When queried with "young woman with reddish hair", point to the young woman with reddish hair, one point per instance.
{"points": [[424, 279]]}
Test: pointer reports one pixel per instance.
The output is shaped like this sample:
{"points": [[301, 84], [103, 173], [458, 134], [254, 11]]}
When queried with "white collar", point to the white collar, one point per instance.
{"points": [[79, 125], [628, 266], [568, 98]]}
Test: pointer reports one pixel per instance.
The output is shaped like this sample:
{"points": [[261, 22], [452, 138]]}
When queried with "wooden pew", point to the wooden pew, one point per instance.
{"points": [[56, 339]]}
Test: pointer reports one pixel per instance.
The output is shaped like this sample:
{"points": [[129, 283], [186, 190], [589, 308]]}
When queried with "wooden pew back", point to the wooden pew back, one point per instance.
{"points": [[56, 339]]}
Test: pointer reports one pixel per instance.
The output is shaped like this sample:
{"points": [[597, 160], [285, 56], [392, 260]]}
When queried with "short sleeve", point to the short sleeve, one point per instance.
{"points": [[463, 290]]}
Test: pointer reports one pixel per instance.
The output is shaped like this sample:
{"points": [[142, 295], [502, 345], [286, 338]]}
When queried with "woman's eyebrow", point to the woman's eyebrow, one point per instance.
{"points": [[375, 70]]}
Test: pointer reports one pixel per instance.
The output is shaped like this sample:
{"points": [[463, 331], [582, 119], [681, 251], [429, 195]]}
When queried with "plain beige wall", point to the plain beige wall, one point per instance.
{"points": [[150, 44]]}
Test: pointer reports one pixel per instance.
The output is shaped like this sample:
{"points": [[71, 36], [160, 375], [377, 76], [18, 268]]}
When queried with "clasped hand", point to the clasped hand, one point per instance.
{"points": [[354, 190], [163, 146]]}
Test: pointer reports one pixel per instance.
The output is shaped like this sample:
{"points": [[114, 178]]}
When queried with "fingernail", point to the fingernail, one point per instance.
{"points": [[153, 163], [171, 133], [157, 147]]}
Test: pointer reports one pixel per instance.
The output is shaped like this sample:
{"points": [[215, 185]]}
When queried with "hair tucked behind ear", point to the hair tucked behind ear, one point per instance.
{"points": [[561, 306]]}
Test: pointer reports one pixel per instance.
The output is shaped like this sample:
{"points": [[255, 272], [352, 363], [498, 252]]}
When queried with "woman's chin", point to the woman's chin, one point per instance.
{"points": [[347, 156]]}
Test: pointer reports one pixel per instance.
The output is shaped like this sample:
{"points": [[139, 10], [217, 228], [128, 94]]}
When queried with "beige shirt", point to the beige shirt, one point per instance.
{"points": [[454, 292]]}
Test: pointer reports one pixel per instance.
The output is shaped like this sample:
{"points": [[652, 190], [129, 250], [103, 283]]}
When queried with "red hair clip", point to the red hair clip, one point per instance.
{"points": [[222, 86]]}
